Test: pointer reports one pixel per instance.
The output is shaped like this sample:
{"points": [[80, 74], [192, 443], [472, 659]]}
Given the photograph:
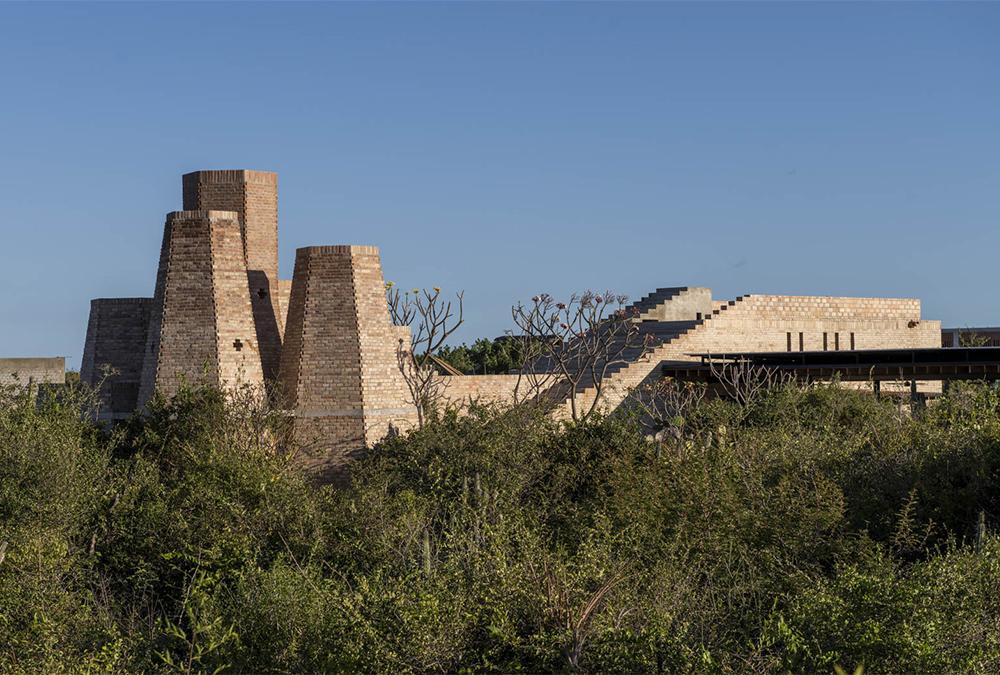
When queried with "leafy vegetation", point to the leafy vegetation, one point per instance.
{"points": [[484, 357], [808, 530]]}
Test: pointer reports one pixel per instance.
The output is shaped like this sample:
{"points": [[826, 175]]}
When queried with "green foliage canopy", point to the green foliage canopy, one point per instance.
{"points": [[818, 528]]}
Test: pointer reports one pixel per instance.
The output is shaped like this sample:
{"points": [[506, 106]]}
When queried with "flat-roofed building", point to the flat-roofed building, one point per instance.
{"points": [[39, 370], [970, 337]]}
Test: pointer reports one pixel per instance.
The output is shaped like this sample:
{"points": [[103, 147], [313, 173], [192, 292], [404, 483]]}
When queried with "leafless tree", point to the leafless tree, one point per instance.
{"points": [[665, 404], [431, 320], [744, 382], [535, 377], [570, 346]]}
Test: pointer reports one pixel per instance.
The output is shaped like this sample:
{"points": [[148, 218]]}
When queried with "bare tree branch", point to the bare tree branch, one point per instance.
{"points": [[569, 347], [431, 320], [666, 404], [744, 382]]}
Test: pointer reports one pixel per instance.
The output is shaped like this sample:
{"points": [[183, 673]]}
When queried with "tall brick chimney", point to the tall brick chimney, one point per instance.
{"points": [[201, 326], [339, 369]]}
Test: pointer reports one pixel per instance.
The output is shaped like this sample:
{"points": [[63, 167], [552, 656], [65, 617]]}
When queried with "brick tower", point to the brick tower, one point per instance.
{"points": [[201, 325], [339, 372], [253, 195], [113, 352]]}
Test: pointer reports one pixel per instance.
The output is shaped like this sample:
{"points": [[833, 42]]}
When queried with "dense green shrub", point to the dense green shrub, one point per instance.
{"points": [[808, 529], [485, 357]]}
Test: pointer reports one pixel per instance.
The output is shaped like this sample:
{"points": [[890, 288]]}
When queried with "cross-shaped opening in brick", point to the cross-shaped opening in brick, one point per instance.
{"points": [[261, 294], [238, 345]]}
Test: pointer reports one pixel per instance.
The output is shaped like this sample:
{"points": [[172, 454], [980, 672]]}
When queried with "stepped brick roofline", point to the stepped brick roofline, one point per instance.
{"points": [[327, 337]]}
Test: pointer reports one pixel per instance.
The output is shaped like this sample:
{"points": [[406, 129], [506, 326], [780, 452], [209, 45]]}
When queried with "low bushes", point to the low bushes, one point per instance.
{"points": [[813, 528]]}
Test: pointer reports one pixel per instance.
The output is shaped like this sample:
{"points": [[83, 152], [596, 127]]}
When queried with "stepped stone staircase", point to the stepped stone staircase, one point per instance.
{"points": [[651, 301], [635, 365]]}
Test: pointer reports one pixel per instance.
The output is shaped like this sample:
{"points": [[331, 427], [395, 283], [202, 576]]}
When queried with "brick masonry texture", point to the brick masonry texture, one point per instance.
{"points": [[323, 343], [42, 370], [253, 195], [751, 323], [479, 388], [339, 371], [116, 340], [201, 326], [284, 298], [767, 322]]}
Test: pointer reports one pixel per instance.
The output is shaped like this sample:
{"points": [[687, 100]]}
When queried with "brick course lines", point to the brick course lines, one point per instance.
{"points": [[15, 371], [113, 352], [324, 342], [463, 389], [339, 372], [253, 195], [762, 322], [201, 326], [284, 298]]}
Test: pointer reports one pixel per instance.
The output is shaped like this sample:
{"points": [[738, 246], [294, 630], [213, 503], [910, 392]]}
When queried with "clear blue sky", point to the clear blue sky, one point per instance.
{"points": [[510, 149]]}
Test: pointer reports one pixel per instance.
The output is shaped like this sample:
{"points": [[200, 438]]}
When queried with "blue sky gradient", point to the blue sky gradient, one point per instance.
{"points": [[508, 149]]}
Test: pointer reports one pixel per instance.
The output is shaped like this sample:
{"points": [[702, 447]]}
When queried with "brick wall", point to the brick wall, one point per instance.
{"points": [[339, 371], [253, 195], [113, 352], [754, 323], [764, 323], [283, 300], [150, 355], [386, 397], [220, 313], [201, 324], [33, 371], [461, 389]]}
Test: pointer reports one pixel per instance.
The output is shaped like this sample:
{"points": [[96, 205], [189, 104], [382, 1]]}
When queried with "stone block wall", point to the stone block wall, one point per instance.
{"points": [[765, 322], [201, 324], [113, 352]]}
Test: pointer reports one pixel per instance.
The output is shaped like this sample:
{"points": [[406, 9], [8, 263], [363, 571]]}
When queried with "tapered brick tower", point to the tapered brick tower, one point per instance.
{"points": [[339, 372], [201, 326], [253, 195]]}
